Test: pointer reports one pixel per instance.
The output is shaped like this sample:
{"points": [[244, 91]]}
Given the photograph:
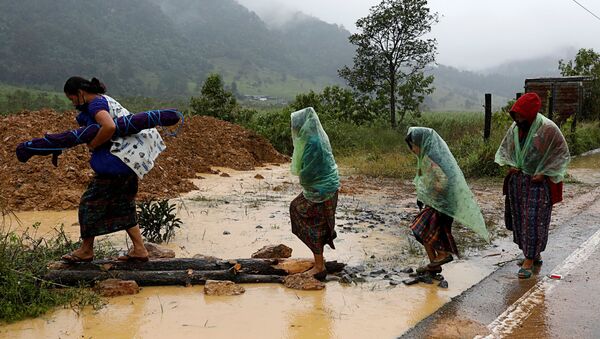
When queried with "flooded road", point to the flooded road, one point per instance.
{"points": [[233, 215], [503, 306]]}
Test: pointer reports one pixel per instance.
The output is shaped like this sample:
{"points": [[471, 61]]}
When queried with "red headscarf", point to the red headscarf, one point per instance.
{"points": [[528, 106]]}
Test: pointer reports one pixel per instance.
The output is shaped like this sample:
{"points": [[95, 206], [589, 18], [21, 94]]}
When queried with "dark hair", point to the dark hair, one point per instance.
{"points": [[74, 84]]}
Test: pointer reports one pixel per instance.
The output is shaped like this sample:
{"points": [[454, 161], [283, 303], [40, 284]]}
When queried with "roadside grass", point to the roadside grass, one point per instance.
{"points": [[24, 257]]}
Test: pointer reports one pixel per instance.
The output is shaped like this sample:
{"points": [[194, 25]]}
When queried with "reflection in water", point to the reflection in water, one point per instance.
{"points": [[313, 320], [124, 320], [264, 311]]}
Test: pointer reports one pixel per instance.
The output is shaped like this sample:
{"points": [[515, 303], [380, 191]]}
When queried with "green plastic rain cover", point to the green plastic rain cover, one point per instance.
{"points": [[441, 184], [544, 150], [312, 159]]}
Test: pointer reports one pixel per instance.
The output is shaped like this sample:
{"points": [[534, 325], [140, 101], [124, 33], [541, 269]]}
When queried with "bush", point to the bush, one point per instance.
{"points": [[23, 260], [585, 138], [157, 220], [275, 126]]}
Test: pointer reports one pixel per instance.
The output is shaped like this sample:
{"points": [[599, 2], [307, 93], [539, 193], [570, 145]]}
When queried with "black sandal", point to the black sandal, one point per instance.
{"points": [[426, 269], [73, 259], [321, 275]]}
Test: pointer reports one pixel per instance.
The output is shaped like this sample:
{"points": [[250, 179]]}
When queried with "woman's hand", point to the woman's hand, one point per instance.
{"points": [[106, 131]]}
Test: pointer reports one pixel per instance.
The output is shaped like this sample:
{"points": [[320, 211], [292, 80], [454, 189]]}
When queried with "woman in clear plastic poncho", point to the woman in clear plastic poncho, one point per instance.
{"points": [[312, 213], [537, 155], [442, 188]]}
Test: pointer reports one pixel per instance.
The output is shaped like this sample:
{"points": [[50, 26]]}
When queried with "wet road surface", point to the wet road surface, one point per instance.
{"points": [[504, 306]]}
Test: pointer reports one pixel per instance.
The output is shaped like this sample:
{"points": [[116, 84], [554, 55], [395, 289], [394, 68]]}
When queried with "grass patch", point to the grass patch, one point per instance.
{"points": [[23, 259], [391, 165]]}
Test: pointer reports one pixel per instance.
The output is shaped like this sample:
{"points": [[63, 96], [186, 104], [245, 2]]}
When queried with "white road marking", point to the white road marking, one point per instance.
{"points": [[520, 310]]}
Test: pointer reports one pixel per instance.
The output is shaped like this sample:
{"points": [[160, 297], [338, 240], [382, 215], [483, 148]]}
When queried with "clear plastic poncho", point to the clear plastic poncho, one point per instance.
{"points": [[544, 150], [312, 159], [441, 184]]}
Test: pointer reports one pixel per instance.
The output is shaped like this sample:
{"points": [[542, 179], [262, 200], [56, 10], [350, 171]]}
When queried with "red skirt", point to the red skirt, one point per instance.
{"points": [[314, 223], [434, 228]]}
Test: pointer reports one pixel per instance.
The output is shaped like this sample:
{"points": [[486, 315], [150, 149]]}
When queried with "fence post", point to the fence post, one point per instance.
{"points": [[488, 116], [551, 102]]}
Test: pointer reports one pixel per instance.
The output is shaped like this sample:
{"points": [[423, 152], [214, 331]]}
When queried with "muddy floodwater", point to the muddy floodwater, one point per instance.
{"points": [[234, 214]]}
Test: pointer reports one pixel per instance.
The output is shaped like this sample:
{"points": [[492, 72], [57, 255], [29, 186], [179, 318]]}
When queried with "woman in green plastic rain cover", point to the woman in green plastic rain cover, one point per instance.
{"points": [[442, 189], [312, 213], [537, 155]]}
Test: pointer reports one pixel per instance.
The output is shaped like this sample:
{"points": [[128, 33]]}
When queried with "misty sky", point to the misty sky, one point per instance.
{"points": [[474, 34]]}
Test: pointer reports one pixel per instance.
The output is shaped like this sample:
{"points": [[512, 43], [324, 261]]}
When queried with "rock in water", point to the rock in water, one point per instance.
{"points": [[302, 281], [116, 287], [273, 252], [225, 287], [155, 251]]}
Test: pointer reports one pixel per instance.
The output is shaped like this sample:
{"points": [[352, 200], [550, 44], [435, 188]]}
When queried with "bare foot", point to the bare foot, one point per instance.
{"points": [[137, 252], [314, 271], [527, 264]]}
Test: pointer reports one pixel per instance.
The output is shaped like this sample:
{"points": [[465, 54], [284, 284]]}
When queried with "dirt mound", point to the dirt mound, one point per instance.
{"points": [[201, 143]]}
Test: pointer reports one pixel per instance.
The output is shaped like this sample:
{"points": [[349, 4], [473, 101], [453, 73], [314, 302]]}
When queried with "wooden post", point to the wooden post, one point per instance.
{"points": [[551, 102], [488, 116], [579, 109]]}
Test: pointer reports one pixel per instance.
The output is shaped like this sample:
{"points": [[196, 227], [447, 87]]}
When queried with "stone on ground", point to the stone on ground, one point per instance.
{"points": [[116, 287], [156, 251], [273, 252], [220, 288], [303, 282]]}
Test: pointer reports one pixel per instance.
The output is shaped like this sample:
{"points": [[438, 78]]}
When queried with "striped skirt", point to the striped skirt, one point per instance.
{"points": [[108, 205], [434, 228], [527, 213], [314, 223]]}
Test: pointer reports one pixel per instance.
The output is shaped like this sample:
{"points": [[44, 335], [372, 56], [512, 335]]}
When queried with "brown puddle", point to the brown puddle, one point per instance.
{"points": [[254, 213], [264, 311]]}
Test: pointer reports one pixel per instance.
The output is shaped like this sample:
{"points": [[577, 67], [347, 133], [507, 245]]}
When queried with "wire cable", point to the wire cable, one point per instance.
{"points": [[582, 6]]}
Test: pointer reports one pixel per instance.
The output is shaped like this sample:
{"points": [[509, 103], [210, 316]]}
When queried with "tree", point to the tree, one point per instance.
{"points": [[587, 62], [338, 103], [392, 52], [214, 100]]}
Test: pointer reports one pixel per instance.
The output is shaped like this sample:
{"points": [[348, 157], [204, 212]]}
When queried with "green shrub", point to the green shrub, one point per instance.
{"points": [[275, 126], [158, 220], [585, 138], [23, 259]]}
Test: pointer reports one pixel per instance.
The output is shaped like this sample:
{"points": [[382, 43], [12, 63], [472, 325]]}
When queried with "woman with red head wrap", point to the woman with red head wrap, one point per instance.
{"points": [[537, 155]]}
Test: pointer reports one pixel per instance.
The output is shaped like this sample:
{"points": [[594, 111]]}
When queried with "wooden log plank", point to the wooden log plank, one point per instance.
{"points": [[157, 278], [248, 266]]}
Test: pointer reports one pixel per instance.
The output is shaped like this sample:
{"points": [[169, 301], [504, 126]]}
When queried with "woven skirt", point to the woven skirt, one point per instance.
{"points": [[314, 223], [528, 209], [434, 228], [108, 205]]}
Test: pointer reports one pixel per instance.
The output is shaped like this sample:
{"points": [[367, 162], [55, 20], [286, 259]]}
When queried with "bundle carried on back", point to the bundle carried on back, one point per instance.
{"points": [[54, 144]]}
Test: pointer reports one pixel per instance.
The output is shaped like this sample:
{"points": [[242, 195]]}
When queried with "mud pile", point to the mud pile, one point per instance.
{"points": [[202, 142]]}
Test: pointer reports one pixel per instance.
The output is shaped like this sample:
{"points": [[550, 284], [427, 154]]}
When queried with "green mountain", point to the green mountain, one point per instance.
{"points": [[131, 45], [164, 47]]}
